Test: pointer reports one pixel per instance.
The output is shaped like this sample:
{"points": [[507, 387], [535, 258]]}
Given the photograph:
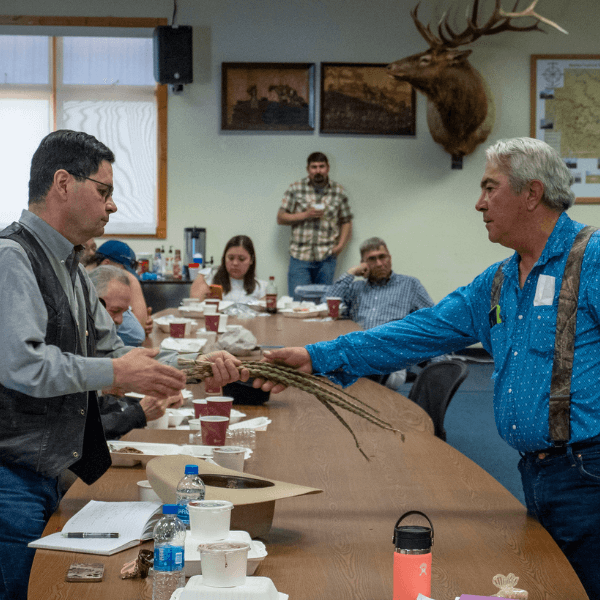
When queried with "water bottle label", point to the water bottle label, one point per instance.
{"points": [[183, 514], [168, 558]]}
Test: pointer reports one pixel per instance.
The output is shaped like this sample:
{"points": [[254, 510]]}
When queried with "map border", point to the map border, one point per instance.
{"points": [[535, 92]]}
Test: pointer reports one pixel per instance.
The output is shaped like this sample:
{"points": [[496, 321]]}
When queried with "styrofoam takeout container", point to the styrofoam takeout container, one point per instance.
{"points": [[255, 588], [193, 564]]}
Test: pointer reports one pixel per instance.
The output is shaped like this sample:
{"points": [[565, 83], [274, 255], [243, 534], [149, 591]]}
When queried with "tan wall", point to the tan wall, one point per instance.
{"points": [[401, 189]]}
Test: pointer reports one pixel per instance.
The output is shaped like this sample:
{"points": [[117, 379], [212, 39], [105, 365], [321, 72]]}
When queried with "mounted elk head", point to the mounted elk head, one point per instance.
{"points": [[460, 109]]}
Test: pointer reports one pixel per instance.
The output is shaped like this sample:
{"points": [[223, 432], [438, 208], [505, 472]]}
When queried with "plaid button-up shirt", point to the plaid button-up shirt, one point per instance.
{"points": [[313, 240]]}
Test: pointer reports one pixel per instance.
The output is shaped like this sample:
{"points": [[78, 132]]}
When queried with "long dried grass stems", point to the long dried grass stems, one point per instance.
{"points": [[325, 391]]}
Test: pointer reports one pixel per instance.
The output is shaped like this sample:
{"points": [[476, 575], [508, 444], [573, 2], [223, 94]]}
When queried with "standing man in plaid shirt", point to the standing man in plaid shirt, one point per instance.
{"points": [[317, 209]]}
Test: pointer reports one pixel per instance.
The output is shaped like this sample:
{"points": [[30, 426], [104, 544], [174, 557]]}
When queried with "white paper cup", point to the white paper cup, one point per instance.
{"points": [[230, 457], [210, 309], [160, 423], [210, 519], [194, 424], [223, 323], [146, 493], [224, 564]]}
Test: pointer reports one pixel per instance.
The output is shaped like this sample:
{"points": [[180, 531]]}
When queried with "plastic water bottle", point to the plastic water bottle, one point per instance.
{"points": [[189, 489], [169, 545]]}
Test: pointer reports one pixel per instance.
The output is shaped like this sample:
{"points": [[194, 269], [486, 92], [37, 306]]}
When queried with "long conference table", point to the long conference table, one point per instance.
{"points": [[337, 545]]}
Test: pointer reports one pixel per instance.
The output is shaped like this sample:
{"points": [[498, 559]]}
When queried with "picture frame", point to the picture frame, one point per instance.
{"points": [[267, 96], [361, 98], [565, 113]]}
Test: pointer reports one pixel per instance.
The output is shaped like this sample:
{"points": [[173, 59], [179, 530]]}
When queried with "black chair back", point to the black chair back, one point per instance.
{"points": [[435, 386]]}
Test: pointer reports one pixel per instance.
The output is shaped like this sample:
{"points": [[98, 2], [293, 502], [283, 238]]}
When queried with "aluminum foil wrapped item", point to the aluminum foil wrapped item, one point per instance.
{"points": [[238, 340], [507, 587]]}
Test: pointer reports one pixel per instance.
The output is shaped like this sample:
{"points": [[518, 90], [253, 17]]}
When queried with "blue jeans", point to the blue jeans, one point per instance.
{"points": [[562, 491], [305, 272], [27, 500]]}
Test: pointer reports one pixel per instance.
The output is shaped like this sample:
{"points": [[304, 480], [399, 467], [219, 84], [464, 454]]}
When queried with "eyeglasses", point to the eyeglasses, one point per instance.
{"points": [[110, 189], [374, 259]]}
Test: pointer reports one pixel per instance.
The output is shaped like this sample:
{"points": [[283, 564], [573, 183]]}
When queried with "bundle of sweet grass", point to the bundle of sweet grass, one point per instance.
{"points": [[326, 392]]}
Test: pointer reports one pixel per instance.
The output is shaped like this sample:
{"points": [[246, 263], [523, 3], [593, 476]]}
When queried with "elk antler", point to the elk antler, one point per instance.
{"points": [[499, 21]]}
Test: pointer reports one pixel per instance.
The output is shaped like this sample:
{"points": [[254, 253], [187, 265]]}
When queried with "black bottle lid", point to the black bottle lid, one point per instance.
{"points": [[413, 537]]}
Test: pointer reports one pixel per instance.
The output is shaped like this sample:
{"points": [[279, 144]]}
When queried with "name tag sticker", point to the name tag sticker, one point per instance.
{"points": [[544, 293]]}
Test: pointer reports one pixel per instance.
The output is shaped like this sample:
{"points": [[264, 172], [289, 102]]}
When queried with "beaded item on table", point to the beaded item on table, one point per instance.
{"points": [[507, 589]]}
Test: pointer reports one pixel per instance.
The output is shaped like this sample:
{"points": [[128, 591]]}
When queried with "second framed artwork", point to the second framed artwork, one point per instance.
{"points": [[361, 98], [268, 96]]}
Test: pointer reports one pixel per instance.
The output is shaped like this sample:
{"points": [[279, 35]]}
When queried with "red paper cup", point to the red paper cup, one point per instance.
{"points": [[200, 408], [212, 322], [333, 306], [214, 430], [177, 330], [219, 405], [212, 388]]}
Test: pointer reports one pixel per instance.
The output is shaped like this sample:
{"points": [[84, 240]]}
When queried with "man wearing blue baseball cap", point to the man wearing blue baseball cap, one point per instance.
{"points": [[117, 252], [120, 254]]}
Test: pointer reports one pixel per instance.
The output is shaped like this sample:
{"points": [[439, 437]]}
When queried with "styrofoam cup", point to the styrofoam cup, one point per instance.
{"points": [[230, 457], [160, 423], [210, 302], [146, 493], [194, 424], [224, 564], [210, 520]]}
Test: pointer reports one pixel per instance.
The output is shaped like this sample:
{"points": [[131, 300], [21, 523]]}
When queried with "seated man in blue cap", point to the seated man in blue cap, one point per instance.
{"points": [[137, 322]]}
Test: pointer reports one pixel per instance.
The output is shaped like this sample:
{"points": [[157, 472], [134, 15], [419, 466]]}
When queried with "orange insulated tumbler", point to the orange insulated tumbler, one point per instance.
{"points": [[412, 559]]}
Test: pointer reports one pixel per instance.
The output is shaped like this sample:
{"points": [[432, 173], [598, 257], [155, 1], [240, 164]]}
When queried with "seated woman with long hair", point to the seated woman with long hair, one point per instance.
{"points": [[236, 274]]}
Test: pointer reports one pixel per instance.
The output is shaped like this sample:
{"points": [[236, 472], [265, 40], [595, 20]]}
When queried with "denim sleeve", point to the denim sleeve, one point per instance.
{"points": [[457, 321], [130, 330]]}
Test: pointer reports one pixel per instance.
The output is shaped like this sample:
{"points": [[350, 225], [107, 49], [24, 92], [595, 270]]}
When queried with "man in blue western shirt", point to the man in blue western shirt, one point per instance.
{"points": [[525, 191]]}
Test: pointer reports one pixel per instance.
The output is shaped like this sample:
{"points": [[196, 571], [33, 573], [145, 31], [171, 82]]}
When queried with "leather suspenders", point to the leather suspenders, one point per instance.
{"points": [[564, 341]]}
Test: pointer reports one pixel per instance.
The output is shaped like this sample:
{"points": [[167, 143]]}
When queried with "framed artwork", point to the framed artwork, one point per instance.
{"points": [[361, 98], [268, 96], [565, 113]]}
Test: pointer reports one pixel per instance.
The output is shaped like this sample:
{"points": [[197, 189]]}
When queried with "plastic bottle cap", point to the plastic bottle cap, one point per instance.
{"points": [[170, 509], [191, 469]]}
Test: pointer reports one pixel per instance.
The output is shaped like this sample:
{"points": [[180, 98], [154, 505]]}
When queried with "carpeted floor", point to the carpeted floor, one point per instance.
{"points": [[470, 428]]}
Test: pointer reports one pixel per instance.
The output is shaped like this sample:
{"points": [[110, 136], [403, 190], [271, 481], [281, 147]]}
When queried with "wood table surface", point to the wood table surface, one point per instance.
{"points": [[337, 545]]}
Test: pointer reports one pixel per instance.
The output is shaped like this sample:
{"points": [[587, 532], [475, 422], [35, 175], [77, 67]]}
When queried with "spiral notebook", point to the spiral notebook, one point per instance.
{"points": [[133, 521]]}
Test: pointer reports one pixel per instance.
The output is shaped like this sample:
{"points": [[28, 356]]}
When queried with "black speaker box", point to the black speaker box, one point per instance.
{"points": [[173, 54]]}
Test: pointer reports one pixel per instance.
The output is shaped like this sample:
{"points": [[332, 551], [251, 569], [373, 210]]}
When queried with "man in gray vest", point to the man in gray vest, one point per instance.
{"points": [[546, 350], [59, 345]]}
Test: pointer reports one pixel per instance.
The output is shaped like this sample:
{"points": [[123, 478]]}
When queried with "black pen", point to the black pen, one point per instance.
{"points": [[84, 534]]}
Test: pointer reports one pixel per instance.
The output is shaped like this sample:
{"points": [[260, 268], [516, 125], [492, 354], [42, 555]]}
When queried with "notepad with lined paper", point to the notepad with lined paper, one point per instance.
{"points": [[134, 521]]}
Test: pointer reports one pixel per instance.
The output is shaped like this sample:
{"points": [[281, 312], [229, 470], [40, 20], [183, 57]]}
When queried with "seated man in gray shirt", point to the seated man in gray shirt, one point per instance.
{"points": [[120, 415]]}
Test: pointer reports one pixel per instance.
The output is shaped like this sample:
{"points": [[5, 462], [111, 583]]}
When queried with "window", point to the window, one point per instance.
{"points": [[101, 85]]}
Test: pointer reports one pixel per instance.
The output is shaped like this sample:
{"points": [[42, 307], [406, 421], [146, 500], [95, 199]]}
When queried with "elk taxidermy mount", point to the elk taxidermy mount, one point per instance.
{"points": [[460, 108]]}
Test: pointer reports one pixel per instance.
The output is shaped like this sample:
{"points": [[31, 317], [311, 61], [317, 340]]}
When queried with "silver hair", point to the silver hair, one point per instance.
{"points": [[103, 275], [372, 243], [524, 159]]}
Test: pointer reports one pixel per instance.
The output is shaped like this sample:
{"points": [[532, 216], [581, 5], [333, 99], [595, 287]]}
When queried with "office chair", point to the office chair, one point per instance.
{"points": [[435, 386]]}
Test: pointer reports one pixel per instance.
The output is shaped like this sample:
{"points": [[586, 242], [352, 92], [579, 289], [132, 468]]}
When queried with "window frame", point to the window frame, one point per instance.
{"points": [[160, 93]]}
